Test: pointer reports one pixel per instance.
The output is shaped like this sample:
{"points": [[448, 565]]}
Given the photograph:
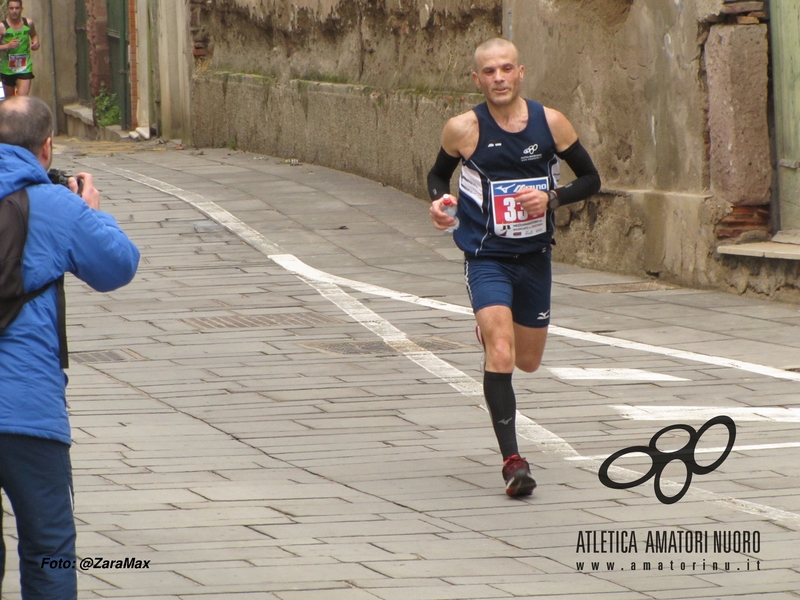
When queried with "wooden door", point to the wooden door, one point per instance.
{"points": [[117, 31], [785, 31]]}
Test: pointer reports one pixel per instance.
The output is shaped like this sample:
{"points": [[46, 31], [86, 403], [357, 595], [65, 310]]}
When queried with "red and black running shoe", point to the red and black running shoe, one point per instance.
{"points": [[517, 475]]}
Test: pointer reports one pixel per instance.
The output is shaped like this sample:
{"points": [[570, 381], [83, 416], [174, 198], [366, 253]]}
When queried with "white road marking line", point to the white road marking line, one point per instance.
{"points": [[717, 450], [579, 373], [737, 413], [672, 353], [527, 428], [291, 262]]}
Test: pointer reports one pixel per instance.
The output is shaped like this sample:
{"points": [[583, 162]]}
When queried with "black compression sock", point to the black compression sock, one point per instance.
{"points": [[502, 405]]}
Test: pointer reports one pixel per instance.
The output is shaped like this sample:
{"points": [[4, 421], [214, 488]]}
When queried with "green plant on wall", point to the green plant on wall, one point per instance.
{"points": [[106, 108]]}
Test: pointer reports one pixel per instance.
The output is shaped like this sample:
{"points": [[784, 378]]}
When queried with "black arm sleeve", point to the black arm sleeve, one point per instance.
{"points": [[439, 176], [587, 179]]}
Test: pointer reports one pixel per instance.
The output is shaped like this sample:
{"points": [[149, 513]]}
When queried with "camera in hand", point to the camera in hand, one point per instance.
{"points": [[59, 177]]}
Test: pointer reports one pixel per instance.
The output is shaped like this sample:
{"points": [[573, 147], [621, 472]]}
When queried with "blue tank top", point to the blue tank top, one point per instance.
{"points": [[491, 223]]}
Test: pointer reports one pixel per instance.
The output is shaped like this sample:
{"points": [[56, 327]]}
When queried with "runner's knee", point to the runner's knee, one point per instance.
{"points": [[529, 364], [500, 355]]}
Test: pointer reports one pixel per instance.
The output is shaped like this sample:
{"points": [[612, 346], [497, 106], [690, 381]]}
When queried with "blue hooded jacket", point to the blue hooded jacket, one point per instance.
{"points": [[64, 235]]}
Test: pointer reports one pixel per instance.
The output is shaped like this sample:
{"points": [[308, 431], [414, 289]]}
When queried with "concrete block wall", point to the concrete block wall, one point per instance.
{"points": [[391, 137]]}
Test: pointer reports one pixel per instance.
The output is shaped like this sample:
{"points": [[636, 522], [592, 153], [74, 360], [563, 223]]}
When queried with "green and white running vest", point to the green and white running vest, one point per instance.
{"points": [[17, 60]]}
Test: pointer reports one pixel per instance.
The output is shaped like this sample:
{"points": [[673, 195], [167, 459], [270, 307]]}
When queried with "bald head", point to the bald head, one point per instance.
{"points": [[25, 121], [493, 44]]}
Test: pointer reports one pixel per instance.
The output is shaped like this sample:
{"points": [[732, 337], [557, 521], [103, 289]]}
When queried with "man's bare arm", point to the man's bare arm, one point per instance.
{"points": [[460, 135], [564, 133], [12, 44], [34, 35], [459, 138], [569, 148]]}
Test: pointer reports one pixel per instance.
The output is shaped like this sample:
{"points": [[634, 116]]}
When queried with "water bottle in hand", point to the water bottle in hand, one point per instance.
{"points": [[449, 208]]}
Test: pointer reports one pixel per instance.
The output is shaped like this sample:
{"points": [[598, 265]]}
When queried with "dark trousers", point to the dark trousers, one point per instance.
{"points": [[36, 475]]}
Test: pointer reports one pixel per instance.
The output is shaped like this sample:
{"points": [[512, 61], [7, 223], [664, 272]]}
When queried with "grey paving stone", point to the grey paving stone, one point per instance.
{"points": [[340, 594], [553, 586], [272, 575], [365, 529]]}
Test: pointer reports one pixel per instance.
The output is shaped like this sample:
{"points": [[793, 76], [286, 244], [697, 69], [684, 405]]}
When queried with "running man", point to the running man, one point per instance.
{"points": [[19, 39], [507, 193]]}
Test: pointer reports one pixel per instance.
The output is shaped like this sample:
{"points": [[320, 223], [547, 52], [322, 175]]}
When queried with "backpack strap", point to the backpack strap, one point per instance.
{"points": [[61, 307], [24, 21], [34, 294], [13, 233], [61, 303], [14, 212]]}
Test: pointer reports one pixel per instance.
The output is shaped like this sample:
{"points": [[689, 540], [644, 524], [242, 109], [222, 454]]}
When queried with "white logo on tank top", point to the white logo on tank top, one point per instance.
{"points": [[530, 153]]}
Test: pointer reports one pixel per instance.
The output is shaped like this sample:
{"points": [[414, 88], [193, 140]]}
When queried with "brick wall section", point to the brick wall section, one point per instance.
{"points": [[744, 12], [202, 48], [99, 67], [743, 219]]}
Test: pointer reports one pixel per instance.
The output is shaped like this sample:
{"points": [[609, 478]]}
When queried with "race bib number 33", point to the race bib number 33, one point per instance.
{"points": [[510, 220]]}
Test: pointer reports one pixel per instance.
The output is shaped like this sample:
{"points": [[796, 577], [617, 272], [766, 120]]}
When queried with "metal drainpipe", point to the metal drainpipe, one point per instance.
{"points": [[53, 58]]}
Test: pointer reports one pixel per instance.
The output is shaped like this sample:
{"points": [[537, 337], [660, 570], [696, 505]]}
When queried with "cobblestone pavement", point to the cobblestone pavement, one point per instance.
{"points": [[285, 404]]}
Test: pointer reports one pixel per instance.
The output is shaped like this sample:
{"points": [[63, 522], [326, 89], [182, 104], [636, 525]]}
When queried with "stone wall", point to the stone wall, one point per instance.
{"points": [[391, 72], [665, 95], [391, 137], [671, 98], [416, 44]]}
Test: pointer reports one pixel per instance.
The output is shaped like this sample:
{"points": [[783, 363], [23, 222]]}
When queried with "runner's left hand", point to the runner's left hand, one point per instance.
{"points": [[533, 201]]}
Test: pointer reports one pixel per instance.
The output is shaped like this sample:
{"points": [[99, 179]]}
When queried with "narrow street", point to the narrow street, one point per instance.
{"points": [[286, 404]]}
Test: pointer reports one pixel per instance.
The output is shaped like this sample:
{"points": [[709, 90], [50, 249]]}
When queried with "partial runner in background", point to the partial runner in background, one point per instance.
{"points": [[19, 39]]}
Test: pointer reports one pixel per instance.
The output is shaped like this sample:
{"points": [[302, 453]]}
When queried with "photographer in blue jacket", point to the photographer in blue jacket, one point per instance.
{"points": [[65, 233]]}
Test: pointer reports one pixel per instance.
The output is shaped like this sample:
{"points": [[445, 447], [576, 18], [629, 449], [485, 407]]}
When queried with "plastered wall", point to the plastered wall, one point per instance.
{"points": [[54, 63]]}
